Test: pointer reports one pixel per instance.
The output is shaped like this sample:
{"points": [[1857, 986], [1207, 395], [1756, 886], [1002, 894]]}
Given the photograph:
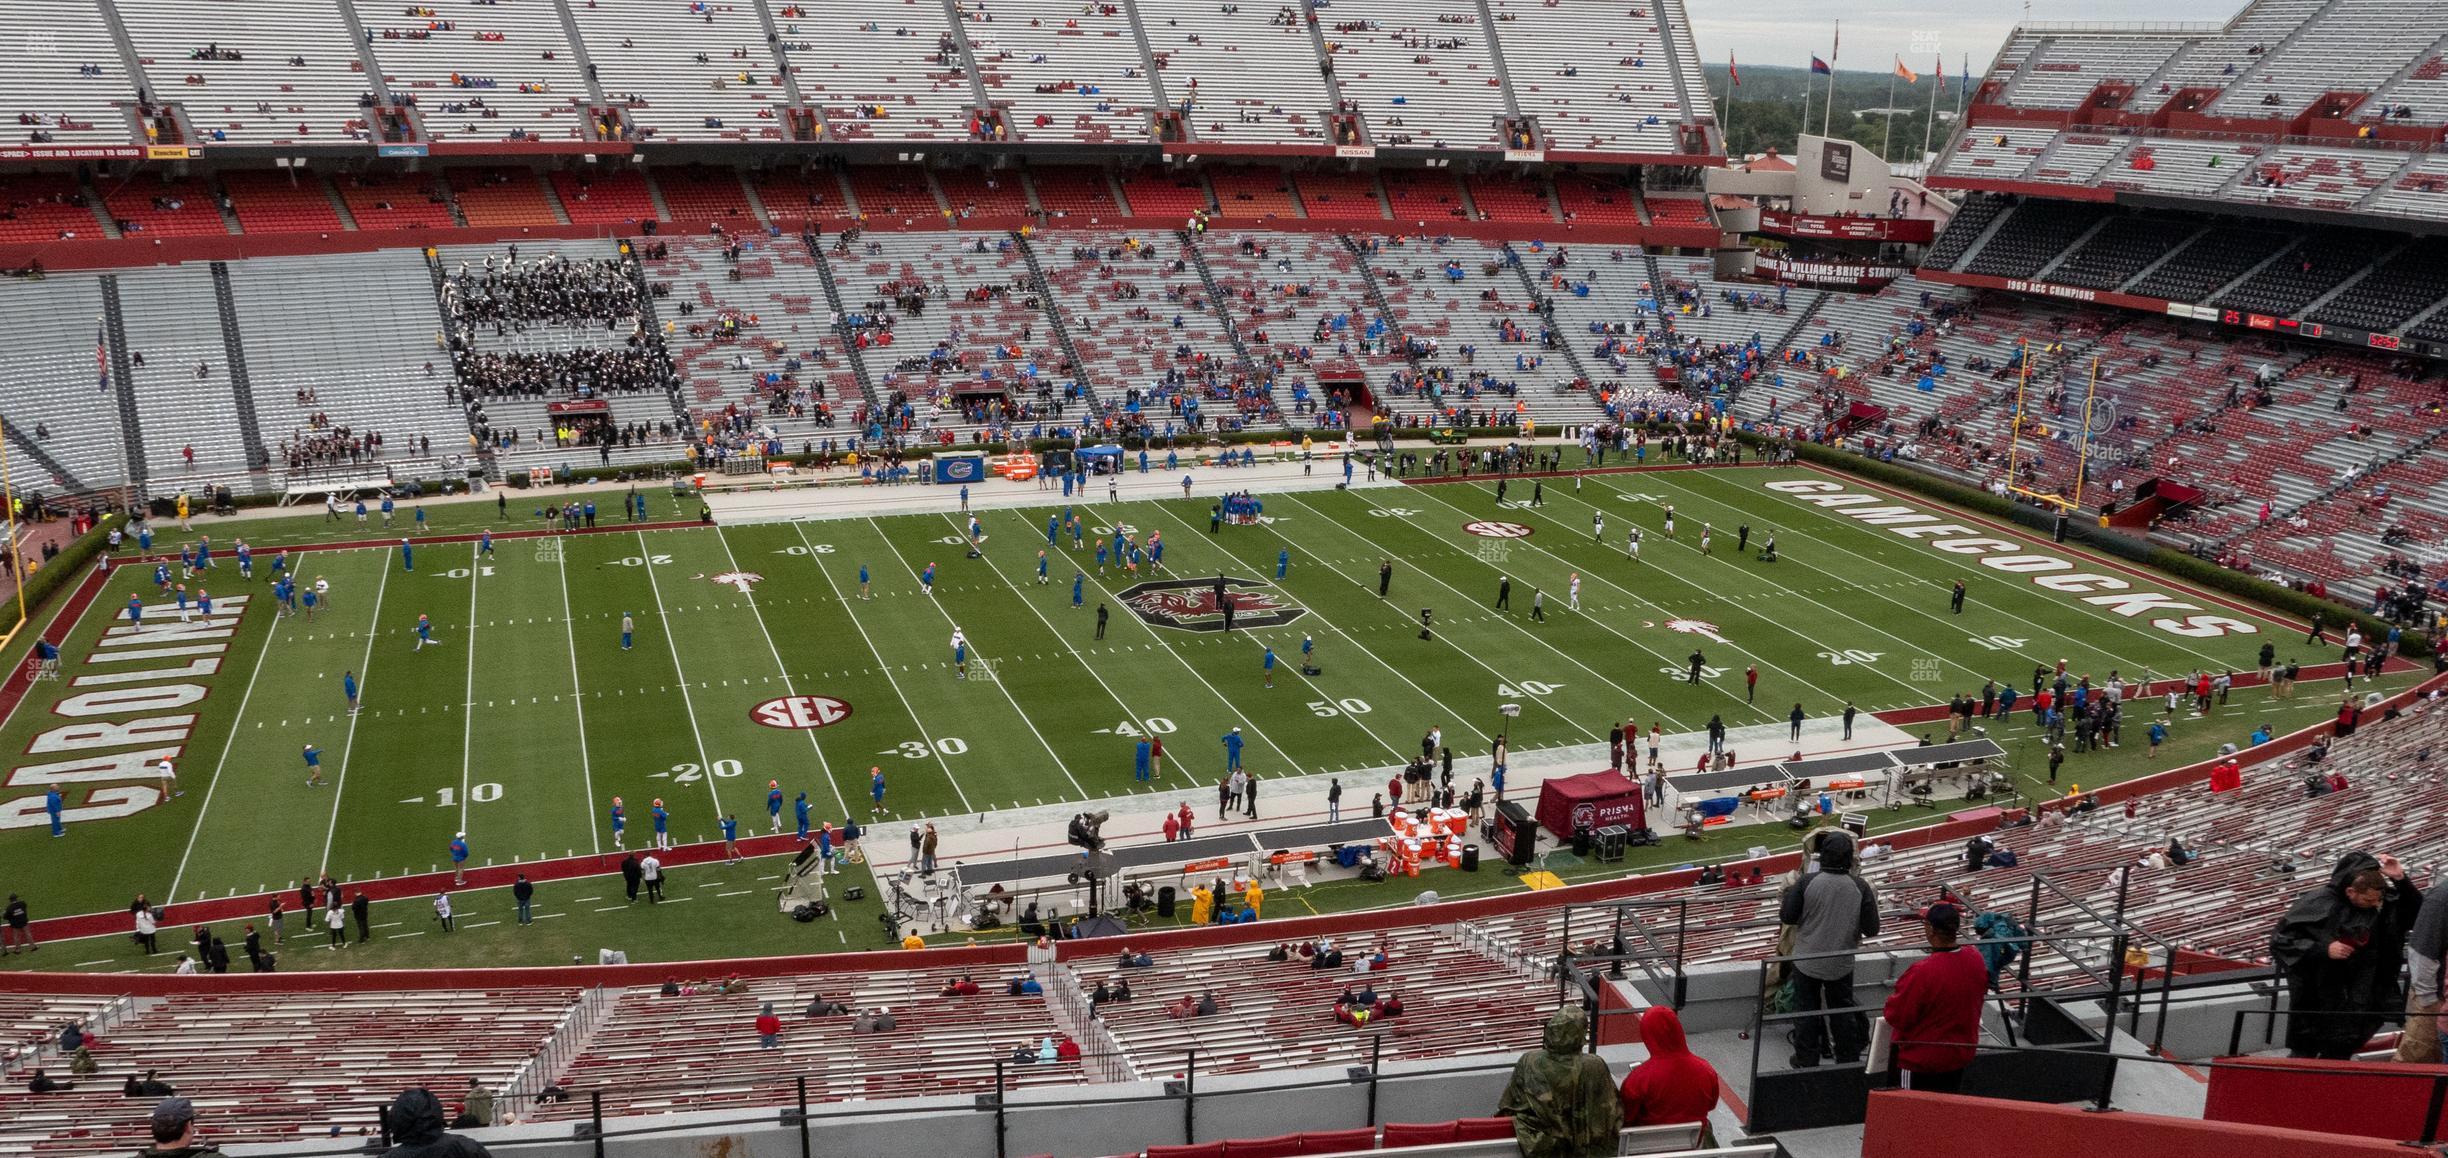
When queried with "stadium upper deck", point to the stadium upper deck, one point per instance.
{"points": [[600, 76], [2295, 106]]}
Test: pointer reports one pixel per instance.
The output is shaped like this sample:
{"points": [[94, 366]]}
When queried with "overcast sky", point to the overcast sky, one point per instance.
{"points": [[1877, 30]]}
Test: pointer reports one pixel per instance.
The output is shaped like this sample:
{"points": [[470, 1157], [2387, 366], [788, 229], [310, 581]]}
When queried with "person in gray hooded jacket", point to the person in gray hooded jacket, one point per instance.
{"points": [[1831, 911]]}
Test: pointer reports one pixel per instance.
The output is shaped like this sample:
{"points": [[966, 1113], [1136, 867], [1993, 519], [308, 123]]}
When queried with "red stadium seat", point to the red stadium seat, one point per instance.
{"points": [[1279, 1146], [1337, 1141], [1482, 1129], [1418, 1134]]}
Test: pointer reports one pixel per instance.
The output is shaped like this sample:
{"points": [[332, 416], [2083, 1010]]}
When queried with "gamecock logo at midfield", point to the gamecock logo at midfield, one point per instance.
{"points": [[1190, 604], [1699, 627]]}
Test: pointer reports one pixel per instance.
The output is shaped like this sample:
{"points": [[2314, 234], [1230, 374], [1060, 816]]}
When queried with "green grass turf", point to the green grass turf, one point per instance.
{"points": [[528, 718], [729, 910]]}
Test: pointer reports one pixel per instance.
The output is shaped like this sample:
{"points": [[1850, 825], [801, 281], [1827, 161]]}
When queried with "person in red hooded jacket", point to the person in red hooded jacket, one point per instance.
{"points": [[1934, 1012], [1675, 1085]]}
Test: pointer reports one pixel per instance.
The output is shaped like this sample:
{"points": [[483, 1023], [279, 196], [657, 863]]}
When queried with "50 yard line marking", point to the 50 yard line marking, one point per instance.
{"points": [[679, 674], [1230, 709], [586, 771], [348, 746], [1190, 533], [1263, 645], [227, 746]]}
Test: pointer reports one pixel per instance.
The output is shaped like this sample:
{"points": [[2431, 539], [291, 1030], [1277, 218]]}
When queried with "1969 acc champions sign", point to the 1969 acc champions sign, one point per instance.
{"points": [[800, 712], [1491, 529]]}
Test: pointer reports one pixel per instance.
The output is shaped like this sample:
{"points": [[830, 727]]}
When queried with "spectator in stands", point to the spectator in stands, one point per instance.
{"points": [[1563, 1101], [1675, 1085], [2340, 945], [146, 1087], [877, 1020], [2426, 948], [415, 1120], [1134, 960], [477, 1109], [961, 986], [1935, 1010], [42, 1083], [1830, 912], [817, 1006], [768, 1027], [174, 1132]]}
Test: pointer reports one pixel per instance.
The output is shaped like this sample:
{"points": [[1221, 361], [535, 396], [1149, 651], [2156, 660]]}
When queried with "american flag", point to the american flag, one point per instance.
{"points": [[101, 356]]}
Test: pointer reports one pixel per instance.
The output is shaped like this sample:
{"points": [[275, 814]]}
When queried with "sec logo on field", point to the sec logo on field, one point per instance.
{"points": [[1490, 529], [800, 712]]}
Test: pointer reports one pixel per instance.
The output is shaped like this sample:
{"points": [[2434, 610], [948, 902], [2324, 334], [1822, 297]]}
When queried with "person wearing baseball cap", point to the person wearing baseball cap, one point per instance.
{"points": [[174, 1132], [1934, 1013]]}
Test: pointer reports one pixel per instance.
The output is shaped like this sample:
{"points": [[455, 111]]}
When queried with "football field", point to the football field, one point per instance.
{"points": [[759, 656]]}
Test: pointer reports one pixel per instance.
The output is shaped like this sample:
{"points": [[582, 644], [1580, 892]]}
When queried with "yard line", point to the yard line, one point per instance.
{"points": [[365, 675], [1353, 719], [1954, 562], [1599, 620], [1678, 577], [227, 746], [738, 893], [1230, 711], [1190, 533], [586, 770], [467, 733], [670, 640], [1467, 601], [999, 685], [800, 529]]}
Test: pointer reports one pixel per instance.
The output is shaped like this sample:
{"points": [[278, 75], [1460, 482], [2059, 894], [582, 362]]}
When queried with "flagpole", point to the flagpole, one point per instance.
{"points": [[1930, 124], [1835, 51], [1964, 75], [1809, 89], [1725, 124], [1888, 138]]}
